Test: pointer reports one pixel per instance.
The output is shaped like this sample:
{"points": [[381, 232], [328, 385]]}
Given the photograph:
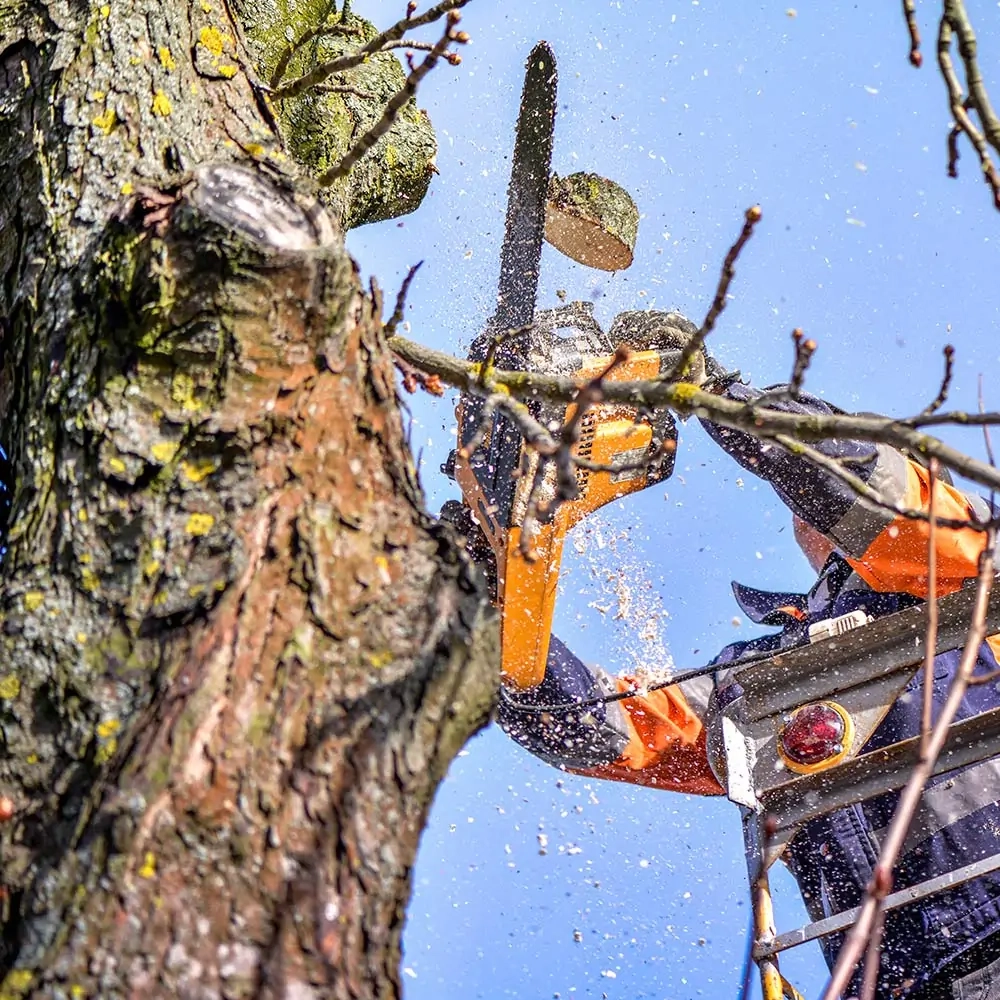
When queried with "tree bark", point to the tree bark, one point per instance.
{"points": [[236, 655]]}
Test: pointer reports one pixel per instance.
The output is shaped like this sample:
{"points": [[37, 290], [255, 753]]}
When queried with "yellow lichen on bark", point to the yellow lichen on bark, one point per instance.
{"points": [[161, 104]]}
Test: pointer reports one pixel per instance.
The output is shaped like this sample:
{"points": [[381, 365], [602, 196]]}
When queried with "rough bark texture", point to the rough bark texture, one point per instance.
{"points": [[236, 656]]}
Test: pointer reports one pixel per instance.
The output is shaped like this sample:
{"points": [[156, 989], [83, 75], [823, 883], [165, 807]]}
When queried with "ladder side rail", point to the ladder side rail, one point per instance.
{"points": [[820, 670], [755, 848]]}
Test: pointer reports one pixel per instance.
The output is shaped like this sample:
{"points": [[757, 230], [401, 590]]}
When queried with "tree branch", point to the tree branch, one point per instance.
{"points": [[323, 31], [687, 400], [398, 100], [589, 396], [910, 13], [930, 640], [939, 399], [958, 418], [959, 21], [397, 313], [955, 20], [873, 955]]}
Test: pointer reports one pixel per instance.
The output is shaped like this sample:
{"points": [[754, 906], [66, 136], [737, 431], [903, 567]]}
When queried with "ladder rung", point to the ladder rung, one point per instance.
{"points": [[841, 921]]}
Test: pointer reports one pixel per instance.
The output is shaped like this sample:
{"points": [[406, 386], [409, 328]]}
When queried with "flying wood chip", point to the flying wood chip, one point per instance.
{"points": [[591, 219]]}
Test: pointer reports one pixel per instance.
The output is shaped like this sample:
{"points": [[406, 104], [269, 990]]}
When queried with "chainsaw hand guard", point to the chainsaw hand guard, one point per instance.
{"points": [[669, 333]]}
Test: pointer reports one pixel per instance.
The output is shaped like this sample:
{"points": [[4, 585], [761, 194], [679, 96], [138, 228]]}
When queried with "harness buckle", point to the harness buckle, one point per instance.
{"points": [[831, 627]]}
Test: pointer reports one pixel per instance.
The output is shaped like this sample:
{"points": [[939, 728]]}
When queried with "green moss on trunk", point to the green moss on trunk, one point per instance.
{"points": [[319, 128]]}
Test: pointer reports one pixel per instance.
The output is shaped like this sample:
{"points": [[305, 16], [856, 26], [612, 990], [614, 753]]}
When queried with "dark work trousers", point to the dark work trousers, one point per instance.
{"points": [[973, 976]]}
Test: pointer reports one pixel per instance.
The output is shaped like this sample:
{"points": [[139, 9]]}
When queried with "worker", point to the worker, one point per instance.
{"points": [[946, 945]]}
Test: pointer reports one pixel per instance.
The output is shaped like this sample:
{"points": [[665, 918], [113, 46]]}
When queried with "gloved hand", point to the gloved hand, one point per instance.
{"points": [[669, 332], [572, 737]]}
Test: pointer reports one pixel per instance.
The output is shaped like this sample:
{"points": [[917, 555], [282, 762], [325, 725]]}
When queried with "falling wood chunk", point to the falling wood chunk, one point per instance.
{"points": [[591, 219]]}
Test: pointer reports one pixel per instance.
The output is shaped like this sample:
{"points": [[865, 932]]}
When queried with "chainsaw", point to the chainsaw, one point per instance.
{"points": [[627, 449]]}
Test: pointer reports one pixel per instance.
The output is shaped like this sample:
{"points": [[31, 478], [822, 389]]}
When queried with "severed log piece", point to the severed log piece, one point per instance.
{"points": [[591, 219]]}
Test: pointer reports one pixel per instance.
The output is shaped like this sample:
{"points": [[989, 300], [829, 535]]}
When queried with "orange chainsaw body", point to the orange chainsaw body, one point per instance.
{"points": [[526, 585]]}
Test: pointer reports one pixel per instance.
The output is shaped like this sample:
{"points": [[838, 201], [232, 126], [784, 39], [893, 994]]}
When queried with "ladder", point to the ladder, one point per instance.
{"points": [[863, 671]]}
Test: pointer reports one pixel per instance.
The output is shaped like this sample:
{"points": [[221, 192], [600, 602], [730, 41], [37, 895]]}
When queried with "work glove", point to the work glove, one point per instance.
{"points": [[669, 333], [546, 721]]}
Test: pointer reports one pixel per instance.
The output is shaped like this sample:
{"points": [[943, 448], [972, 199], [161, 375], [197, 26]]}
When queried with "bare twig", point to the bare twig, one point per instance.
{"points": [[939, 399], [466, 451], [855, 944], [408, 43], [337, 88], [695, 344], [530, 429], [397, 101], [986, 431], [955, 19], [622, 465], [978, 97], [345, 62], [579, 461], [930, 640], [533, 512], [834, 467], [873, 954], [957, 417], [993, 674], [414, 377], [323, 31], [494, 345], [664, 448], [954, 153], [591, 394], [532, 515], [910, 13], [559, 453], [804, 350], [984, 678], [543, 446], [397, 313], [750, 220]]}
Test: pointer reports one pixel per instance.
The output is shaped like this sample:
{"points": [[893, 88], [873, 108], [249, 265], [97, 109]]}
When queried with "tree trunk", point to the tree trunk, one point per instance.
{"points": [[236, 656]]}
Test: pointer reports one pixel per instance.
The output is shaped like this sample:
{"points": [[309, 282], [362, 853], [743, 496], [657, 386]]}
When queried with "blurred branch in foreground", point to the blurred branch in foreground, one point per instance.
{"points": [[881, 884]]}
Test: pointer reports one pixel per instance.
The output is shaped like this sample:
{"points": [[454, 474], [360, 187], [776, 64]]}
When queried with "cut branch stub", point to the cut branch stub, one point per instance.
{"points": [[591, 219]]}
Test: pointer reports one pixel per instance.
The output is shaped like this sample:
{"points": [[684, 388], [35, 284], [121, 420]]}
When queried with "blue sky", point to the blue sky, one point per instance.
{"points": [[700, 109]]}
